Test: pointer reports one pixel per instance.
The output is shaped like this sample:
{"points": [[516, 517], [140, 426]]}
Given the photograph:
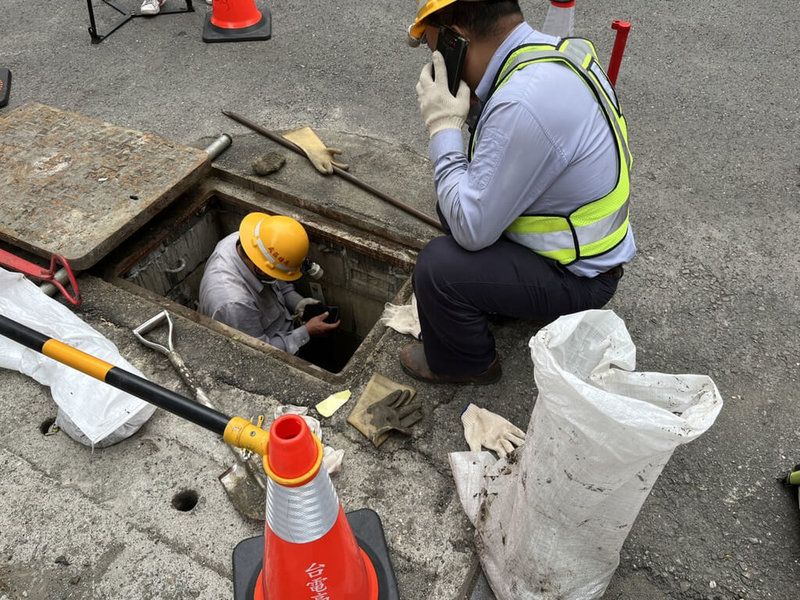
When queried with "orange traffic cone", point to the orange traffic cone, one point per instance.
{"points": [[237, 21], [309, 548]]}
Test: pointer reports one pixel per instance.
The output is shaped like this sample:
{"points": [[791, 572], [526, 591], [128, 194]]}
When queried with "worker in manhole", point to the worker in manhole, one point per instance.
{"points": [[536, 209], [247, 285]]}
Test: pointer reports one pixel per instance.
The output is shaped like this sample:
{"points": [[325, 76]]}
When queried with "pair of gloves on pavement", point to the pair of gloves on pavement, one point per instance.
{"points": [[439, 108], [399, 410], [403, 318]]}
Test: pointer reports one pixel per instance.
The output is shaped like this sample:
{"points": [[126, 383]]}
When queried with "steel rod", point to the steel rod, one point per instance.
{"points": [[340, 172]]}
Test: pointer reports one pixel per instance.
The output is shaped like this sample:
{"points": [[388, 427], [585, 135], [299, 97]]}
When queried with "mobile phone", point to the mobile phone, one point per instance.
{"points": [[454, 50], [313, 310]]}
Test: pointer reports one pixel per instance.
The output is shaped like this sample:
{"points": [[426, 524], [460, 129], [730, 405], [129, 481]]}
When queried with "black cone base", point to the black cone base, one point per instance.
{"points": [[248, 557], [260, 31]]}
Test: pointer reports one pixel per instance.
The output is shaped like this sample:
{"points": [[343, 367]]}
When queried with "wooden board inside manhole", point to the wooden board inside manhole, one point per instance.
{"points": [[76, 186]]}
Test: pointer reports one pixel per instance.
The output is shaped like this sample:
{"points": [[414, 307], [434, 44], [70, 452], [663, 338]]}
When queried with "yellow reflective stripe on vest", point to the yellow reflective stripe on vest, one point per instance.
{"points": [[599, 225], [560, 237]]}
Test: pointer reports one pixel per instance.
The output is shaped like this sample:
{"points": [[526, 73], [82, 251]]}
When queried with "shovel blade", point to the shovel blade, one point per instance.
{"points": [[245, 493]]}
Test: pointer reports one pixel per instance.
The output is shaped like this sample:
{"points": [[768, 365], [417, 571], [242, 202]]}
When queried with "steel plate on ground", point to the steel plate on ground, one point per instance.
{"points": [[77, 186]]}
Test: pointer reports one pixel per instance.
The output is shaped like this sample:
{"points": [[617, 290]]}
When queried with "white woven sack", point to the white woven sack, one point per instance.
{"points": [[551, 518]]}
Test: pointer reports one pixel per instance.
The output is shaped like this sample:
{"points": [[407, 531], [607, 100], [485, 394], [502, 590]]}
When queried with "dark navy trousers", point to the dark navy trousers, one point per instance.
{"points": [[457, 289]]}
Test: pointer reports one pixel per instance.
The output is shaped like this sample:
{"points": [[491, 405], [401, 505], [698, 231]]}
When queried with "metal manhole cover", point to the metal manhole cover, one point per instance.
{"points": [[77, 186]]}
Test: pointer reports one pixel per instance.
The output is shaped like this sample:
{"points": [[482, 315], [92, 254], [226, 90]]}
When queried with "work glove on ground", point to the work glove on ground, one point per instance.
{"points": [[395, 412], [320, 156], [484, 428], [403, 318], [440, 109], [300, 308]]}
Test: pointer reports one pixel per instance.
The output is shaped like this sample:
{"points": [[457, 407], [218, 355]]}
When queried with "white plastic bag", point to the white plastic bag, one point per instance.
{"points": [[90, 411], [551, 518]]}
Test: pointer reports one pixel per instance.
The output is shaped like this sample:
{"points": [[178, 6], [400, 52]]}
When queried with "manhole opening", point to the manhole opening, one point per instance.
{"points": [[356, 278], [185, 500]]}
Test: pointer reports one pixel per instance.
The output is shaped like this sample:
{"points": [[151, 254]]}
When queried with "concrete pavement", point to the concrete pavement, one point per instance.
{"points": [[712, 101]]}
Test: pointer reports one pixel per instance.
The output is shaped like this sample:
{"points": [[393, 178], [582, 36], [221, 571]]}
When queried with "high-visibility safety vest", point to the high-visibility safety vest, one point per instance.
{"points": [[599, 225]]}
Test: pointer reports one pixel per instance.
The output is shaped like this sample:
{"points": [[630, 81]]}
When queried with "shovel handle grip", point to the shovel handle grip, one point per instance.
{"points": [[186, 374]]}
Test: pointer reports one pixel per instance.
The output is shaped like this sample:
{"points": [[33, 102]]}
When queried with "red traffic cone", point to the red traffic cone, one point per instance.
{"points": [[309, 548], [237, 21]]}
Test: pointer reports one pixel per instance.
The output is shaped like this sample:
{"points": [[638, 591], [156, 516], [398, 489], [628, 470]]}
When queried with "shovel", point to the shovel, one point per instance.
{"points": [[245, 481]]}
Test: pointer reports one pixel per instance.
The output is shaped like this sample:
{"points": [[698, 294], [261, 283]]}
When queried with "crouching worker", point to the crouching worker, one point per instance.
{"points": [[246, 283], [535, 206]]}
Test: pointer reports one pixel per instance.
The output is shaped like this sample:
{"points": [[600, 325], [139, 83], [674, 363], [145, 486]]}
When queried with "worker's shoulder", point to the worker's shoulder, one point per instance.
{"points": [[543, 80], [546, 89]]}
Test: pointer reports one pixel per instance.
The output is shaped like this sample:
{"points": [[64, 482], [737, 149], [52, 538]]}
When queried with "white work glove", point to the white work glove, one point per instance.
{"points": [[402, 318], [301, 306], [439, 108], [332, 459], [484, 428]]}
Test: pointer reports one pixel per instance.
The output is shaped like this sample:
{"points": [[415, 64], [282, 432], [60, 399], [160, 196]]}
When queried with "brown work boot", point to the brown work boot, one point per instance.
{"points": [[415, 364]]}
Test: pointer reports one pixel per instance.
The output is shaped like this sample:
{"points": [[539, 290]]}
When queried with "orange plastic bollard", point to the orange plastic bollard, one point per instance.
{"points": [[622, 28]]}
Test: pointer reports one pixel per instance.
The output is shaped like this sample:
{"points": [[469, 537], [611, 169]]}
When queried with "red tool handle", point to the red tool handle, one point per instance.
{"points": [[48, 275], [75, 299], [622, 27]]}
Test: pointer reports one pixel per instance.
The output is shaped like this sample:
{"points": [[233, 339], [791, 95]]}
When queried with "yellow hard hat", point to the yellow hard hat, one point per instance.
{"points": [[428, 7], [276, 244]]}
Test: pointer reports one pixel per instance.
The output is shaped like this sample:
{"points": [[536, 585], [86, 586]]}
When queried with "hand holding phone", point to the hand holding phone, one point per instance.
{"points": [[313, 310], [454, 50]]}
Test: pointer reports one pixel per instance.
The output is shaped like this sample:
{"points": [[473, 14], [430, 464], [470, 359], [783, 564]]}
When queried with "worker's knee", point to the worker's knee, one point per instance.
{"points": [[442, 255]]}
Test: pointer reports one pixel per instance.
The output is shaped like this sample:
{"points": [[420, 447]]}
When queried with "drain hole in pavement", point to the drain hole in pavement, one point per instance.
{"points": [[47, 425], [185, 500]]}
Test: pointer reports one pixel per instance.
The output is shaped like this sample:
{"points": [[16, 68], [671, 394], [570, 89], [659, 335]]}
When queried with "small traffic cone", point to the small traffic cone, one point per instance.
{"points": [[309, 548], [560, 18], [237, 21]]}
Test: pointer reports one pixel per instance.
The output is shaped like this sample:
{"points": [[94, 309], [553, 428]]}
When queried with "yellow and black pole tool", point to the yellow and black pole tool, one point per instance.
{"points": [[236, 431]]}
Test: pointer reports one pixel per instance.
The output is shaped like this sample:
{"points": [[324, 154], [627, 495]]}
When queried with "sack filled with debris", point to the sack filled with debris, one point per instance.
{"points": [[551, 518], [89, 411]]}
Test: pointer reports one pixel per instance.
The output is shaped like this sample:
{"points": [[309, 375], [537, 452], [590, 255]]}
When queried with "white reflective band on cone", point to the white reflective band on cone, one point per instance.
{"points": [[302, 514]]}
